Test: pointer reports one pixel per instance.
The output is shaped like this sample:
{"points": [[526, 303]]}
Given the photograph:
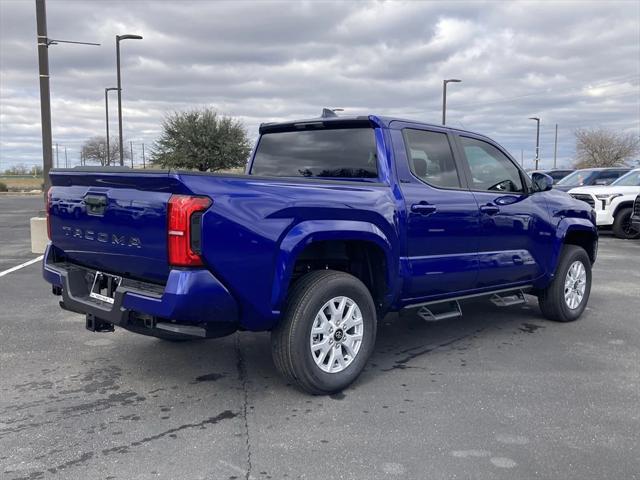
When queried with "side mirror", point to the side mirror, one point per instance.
{"points": [[541, 182]]}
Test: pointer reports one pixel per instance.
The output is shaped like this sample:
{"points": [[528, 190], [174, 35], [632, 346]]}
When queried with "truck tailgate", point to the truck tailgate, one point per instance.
{"points": [[112, 221]]}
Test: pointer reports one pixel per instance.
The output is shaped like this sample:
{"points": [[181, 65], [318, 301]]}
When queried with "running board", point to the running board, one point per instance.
{"points": [[504, 300], [440, 311]]}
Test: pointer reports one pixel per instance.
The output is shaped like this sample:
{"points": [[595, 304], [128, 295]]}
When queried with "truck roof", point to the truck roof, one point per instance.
{"points": [[350, 120]]}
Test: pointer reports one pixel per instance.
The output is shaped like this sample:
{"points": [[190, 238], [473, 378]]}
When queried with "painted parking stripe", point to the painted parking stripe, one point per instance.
{"points": [[22, 265]]}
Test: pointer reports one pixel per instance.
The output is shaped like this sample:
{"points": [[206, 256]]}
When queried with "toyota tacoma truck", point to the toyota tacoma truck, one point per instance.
{"points": [[613, 203], [336, 222]]}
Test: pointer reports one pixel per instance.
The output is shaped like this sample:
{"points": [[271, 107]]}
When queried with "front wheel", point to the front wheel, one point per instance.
{"points": [[566, 297], [622, 227], [327, 332]]}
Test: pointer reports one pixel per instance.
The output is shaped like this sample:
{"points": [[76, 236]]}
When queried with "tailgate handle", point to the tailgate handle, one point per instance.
{"points": [[96, 204]]}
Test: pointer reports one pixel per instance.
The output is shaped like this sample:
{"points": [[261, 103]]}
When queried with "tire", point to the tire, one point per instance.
{"points": [[553, 303], [292, 340], [622, 225]]}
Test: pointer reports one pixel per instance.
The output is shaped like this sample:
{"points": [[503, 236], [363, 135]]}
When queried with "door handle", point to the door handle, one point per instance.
{"points": [[423, 208], [489, 209]]}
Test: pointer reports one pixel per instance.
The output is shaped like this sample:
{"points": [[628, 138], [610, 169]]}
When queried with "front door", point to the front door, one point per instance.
{"points": [[442, 216], [514, 234]]}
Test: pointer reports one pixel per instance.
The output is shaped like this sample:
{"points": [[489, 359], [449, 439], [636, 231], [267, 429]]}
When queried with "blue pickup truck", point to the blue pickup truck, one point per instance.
{"points": [[337, 221]]}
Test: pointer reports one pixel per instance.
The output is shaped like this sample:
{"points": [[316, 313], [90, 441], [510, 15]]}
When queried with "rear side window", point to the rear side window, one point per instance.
{"points": [[491, 170], [339, 153], [431, 159]]}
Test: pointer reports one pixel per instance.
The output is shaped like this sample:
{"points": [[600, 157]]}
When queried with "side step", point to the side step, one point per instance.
{"points": [[508, 300], [440, 311]]}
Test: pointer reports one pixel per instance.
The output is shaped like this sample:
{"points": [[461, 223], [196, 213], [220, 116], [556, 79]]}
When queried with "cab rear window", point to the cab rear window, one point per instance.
{"points": [[324, 153]]}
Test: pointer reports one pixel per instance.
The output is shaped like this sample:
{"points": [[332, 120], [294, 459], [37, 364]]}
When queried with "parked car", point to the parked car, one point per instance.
{"points": [[613, 203], [338, 221], [635, 217], [557, 174], [590, 176]]}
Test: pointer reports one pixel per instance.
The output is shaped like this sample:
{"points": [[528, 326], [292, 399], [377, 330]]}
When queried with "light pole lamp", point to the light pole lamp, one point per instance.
{"points": [[444, 97], [119, 88], [537, 139], [106, 111]]}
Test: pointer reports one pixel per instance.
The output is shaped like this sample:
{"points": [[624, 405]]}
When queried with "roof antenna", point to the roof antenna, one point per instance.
{"points": [[328, 113]]}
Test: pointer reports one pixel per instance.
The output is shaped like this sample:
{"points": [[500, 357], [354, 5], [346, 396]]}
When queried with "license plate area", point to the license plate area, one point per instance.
{"points": [[104, 287]]}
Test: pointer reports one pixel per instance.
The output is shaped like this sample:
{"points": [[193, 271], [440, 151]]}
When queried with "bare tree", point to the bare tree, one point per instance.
{"points": [[600, 147], [95, 150]]}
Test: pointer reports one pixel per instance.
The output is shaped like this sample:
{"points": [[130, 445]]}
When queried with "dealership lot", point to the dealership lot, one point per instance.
{"points": [[499, 393]]}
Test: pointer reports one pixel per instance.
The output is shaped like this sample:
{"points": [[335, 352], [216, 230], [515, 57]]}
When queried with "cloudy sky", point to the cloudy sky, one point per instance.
{"points": [[572, 63]]}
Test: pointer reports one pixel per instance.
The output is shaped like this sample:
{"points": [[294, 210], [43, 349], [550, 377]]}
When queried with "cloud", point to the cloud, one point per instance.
{"points": [[575, 64]]}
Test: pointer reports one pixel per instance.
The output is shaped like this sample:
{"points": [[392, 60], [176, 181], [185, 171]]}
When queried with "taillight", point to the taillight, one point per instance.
{"points": [[48, 213], [184, 213]]}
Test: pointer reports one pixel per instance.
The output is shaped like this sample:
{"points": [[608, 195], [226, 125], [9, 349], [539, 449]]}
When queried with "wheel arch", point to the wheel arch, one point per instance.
{"points": [[578, 232], [621, 205], [319, 240]]}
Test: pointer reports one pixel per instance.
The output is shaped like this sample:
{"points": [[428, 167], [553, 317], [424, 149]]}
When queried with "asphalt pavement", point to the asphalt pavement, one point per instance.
{"points": [[497, 394]]}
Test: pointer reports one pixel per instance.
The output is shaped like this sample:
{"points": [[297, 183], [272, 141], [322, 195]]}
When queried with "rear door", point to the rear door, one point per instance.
{"points": [[515, 237], [442, 215]]}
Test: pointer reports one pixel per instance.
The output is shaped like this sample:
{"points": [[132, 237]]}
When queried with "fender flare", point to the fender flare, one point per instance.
{"points": [[565, 226], [624, 203], [305, 233]]}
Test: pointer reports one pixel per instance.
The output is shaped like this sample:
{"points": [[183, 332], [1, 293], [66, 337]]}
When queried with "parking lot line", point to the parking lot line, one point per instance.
{"points": [[22, 265]]}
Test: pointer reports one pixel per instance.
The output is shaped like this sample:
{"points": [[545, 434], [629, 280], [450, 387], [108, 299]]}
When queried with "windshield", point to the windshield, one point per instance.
{"points": [[631, 179], [578, 178], [331, 153]]}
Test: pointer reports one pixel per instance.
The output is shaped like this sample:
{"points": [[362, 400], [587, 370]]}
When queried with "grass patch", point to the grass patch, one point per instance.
{"points": [[20, 183]]}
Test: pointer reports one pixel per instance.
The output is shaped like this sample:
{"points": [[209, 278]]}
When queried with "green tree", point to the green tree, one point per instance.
{"points": [[201, 140]]}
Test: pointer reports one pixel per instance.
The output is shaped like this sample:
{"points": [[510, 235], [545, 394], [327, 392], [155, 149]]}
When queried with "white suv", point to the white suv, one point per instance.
{"points": [[613, 203]]}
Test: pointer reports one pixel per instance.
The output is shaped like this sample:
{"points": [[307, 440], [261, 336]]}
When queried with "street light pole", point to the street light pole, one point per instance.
{"points": [[106, 110], [45, 93], [45, 98], [555, 148], [118, 39], [537, 139], [444, 97]]}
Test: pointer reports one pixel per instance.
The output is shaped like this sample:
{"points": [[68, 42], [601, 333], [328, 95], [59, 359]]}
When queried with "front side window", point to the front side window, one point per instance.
{"points": [[431, 159], [491, 170], [335, 153]]}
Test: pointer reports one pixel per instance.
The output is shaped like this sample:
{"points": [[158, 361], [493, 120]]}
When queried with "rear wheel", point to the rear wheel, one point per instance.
{"points": [[622, 227], [566, 297], [327, 332]]}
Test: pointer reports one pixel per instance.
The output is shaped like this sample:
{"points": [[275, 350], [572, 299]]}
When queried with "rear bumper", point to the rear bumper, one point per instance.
{"points": [[190, 297]]}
